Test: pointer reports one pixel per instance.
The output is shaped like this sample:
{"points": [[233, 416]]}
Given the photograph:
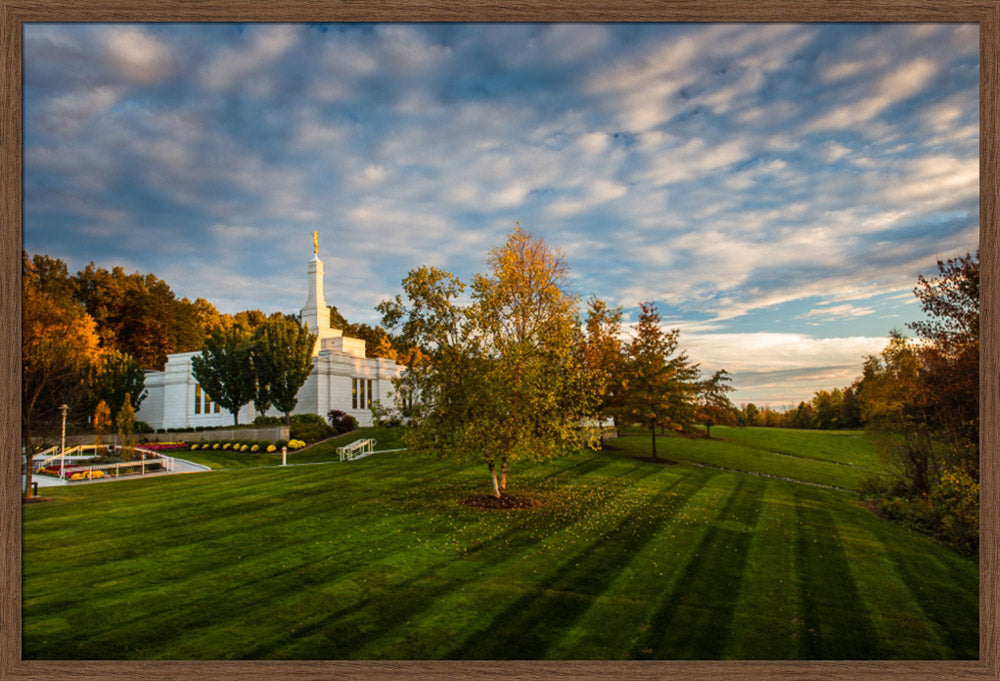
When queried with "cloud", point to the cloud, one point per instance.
{"points": [[726, 171], [833, 312], [234, 66], [137, 55]]}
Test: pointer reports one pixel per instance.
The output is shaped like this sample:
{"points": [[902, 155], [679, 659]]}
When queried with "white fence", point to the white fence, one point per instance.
{"points": [[356, 450], [75, 456]]}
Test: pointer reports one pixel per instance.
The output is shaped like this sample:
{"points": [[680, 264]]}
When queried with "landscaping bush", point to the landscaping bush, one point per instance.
{"points": [[341, 421], [309, 428], [950, 511]]}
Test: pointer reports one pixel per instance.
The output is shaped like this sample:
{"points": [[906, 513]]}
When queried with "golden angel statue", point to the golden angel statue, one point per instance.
{"points": [[315, 245]]}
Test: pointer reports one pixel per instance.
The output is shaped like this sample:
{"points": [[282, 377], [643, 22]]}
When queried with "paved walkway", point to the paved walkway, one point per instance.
{"points": [[180, 466]]}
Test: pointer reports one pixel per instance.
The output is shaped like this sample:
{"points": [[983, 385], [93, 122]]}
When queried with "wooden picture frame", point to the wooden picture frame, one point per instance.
{"points": [[15, 13]]}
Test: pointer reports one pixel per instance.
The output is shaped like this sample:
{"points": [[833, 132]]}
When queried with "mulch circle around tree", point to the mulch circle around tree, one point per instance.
{"points": [[35, 500], [653, 459], [504, 502]]}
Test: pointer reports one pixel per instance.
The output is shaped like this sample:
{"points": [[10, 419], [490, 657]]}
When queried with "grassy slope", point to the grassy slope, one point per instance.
{"points": [[376, 559], [387, 438], [835, 458]]}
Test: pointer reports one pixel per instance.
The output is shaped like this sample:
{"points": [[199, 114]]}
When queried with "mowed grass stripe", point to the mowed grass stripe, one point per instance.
{"points": [[845, 447], [835, 623], [498, 560], [904, 630], [740, 457], [554, 604], [388, 604], [768, 610], [618, 617], [943, 583], [220, 567], [692, 621], [369, 565]]}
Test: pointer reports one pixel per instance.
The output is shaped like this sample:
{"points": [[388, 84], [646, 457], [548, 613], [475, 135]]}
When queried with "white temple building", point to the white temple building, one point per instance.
{"points": [[342, 377]]}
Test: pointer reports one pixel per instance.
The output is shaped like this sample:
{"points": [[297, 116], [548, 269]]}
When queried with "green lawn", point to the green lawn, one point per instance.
{"points": [[387, 438], [377, 558], [834, 458]]}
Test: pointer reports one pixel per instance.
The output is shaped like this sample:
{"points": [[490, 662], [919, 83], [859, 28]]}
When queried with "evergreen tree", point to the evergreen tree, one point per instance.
{"points": [[714, 407], [659, 381]]}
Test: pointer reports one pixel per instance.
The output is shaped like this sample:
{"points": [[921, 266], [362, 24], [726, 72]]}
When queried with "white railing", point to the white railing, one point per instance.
{"points": [[148, 457], [356, 450]]}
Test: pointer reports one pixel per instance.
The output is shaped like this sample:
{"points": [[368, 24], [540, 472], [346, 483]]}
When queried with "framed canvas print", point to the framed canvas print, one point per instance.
{"points": [[554, 342]]}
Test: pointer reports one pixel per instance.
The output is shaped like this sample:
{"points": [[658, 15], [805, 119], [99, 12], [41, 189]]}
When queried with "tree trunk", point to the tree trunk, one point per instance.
{"points": [[288, 421], [493, 477], [503, 475], [652, 433], [708, 431], [236, 418]]}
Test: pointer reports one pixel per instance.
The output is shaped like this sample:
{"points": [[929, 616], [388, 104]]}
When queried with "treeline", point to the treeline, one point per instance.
{"points": [[828, 409], [921, 397]]}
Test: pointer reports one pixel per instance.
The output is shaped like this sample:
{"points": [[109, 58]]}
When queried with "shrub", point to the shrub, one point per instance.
{"points": [[307, 419], [296, 444], [271, 449], [950, 511], [255, 448], [341, 421]]}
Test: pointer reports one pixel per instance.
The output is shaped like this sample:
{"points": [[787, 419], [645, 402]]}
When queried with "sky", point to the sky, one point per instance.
{"points": [[775, 189]]}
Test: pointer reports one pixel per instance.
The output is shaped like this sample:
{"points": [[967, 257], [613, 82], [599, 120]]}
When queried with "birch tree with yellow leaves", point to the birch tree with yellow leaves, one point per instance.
{"points": [[503, 379]]}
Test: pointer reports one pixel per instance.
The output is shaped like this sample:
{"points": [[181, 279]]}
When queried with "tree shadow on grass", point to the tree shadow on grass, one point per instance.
{"points": [[533, 623]]}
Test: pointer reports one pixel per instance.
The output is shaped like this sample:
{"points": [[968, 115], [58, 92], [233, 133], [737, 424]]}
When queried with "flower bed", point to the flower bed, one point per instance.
{"points": [[163, 446]]}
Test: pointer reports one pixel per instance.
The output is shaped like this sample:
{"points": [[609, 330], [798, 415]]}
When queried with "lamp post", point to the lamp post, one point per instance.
{"points": [[62, 444]]}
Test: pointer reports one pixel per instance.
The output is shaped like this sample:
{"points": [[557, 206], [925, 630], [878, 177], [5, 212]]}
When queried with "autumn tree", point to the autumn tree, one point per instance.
{"points": [[282, 361], [752, 414], [713, 405], [602, 357], [59, 348], [138, 314], [102, 423], [125, 424], [503, 379], [894, 400], [659, 387], [950, 356], [224, 369]]}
